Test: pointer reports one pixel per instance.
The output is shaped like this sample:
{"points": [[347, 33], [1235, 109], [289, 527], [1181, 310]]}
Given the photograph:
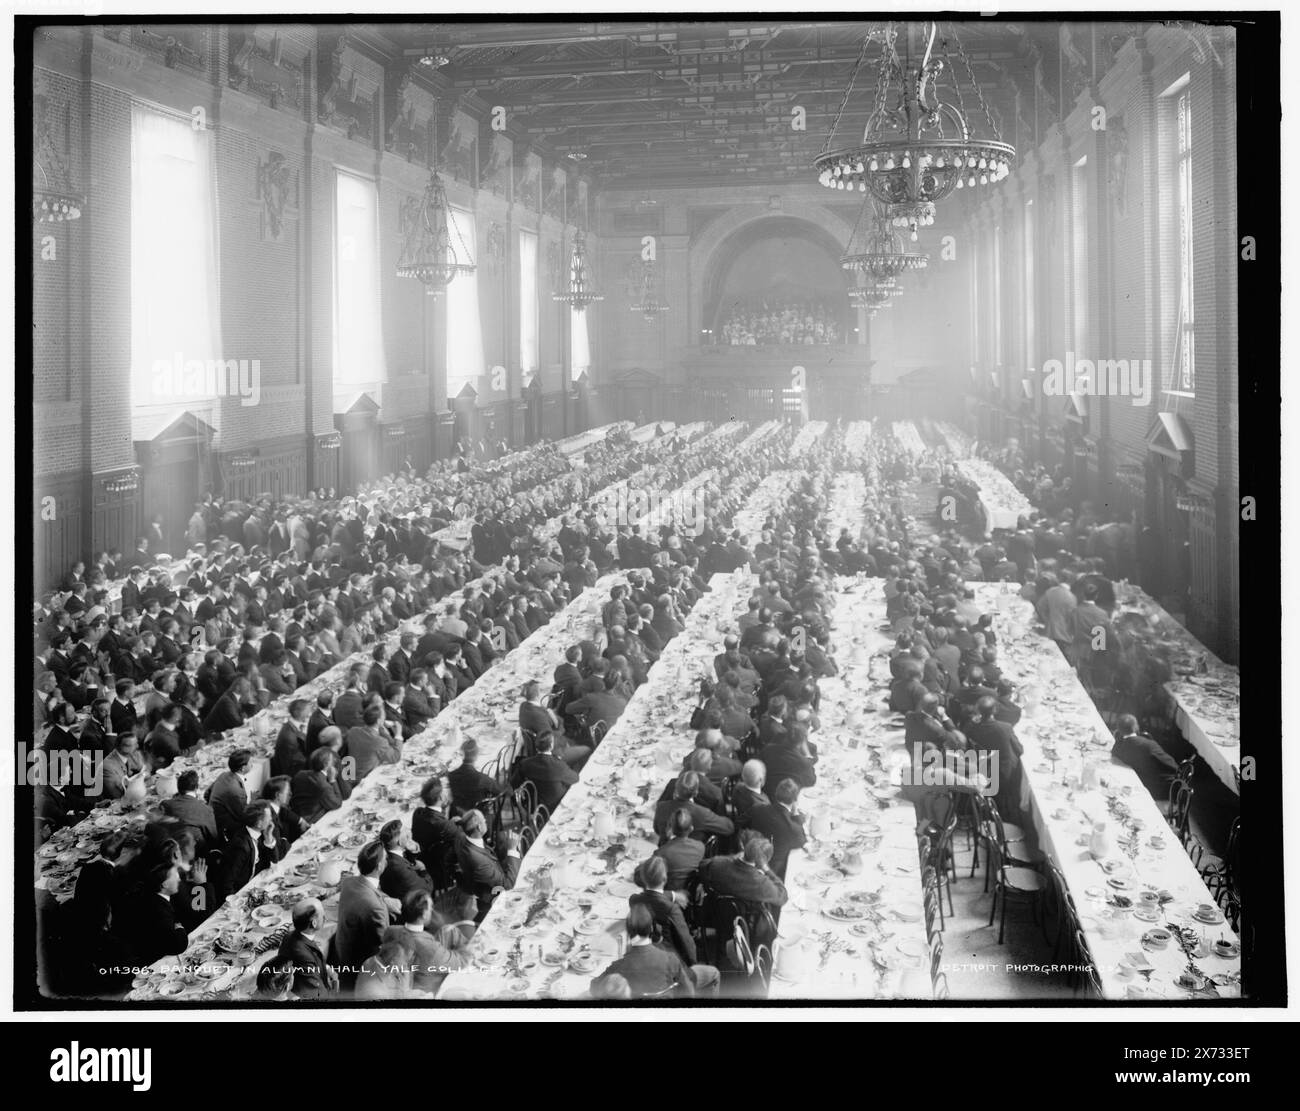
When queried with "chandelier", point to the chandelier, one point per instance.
{"points": [[880, 254], [916, 148], [649, 304], [428, 252], [871, 296], [579, 293], [53, 200]]}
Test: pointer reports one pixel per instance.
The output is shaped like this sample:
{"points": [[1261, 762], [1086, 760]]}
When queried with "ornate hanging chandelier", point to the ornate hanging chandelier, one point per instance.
{"points": [[579, 293], [916, 147], [879, 252], [871, 295], [428, 251], [53, 199], [649, 304]]}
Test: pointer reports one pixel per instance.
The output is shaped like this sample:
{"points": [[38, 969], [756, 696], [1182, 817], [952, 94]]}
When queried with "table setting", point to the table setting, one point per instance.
{"points": [[562, 924], [854, 927], [1205, 692], [1152, 927]]}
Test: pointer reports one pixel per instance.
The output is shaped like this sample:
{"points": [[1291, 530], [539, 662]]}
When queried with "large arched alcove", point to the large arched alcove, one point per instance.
{"points": [[775, 260], [818, 233]]}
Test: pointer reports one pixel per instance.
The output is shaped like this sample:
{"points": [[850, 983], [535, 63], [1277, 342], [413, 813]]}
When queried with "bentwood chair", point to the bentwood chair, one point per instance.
{"points": [[995, 837], [1221, 877], [763, 966], [1023, 886], [932, 902], [1180, 810]]}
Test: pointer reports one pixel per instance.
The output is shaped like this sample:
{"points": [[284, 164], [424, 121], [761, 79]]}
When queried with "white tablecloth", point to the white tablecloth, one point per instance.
{"points": [[1002, 503], [909, 438], [1207, 706], [487, 712], [560, 926], [854, 927], [1058, 718]]}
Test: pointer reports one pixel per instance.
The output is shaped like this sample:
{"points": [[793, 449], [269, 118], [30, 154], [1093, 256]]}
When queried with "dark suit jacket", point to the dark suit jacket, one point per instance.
{"points": [[552, 776], [1154, 766], [308, 963], [481, 872], [147, 922], [745, 802], [399, 879], [436, 835], [290, 750], [417, 709], [597, 706], [683, 856], [197, 815], [347, 710], [783, 762], [241, 864], [707, 823], [469, 787], [314, 796], [370, 748], [315, 724], [363, 918], [783, 829], [670, 923], [651, 970], [732, 877], [229, 799]]}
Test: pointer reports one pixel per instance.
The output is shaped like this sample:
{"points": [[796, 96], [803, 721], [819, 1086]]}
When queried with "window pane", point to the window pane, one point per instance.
{"points": [[528, 306], [175, 315], [464, 328], [358, 335]]}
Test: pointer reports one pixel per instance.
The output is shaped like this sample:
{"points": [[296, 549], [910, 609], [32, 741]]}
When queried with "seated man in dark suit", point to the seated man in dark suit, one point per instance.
{"points": [[706, 823], [547, 772], [650, 970], [749, 794], [405, 873], [364, 914], [1154, 766], [301, 955], [747, 877], [781, 824], [192, 812], [251, 851], [682, 852], [483, 873], [988, 735], [435, 833], [469, 786], [791, 759], [670, 923]]}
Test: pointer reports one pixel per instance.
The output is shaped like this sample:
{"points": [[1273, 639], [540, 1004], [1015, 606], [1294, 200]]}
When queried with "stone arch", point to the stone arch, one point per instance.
{"points": [[721, 240]]}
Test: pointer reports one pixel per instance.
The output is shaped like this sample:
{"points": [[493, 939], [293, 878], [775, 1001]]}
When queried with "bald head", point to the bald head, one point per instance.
{"points": [[754, 774]]}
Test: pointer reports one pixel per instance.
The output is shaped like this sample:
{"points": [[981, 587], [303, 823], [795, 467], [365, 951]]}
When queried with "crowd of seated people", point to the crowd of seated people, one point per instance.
{"points": [[274, 621], [784, 322]]}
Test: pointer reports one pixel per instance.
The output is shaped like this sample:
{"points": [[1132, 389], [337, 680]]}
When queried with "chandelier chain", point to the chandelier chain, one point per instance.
{"points": [[970, 72], [848, 91]]}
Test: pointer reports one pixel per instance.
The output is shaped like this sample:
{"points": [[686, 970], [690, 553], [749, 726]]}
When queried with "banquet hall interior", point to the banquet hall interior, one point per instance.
{"points": [[638, 511]]}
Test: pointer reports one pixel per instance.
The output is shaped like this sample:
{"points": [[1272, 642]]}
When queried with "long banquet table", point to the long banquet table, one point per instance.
{"points": [[1207, 704], [1002, 504], [486, 712], [854, 927], [909, 438], [561, 924], [1071, 784]]}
